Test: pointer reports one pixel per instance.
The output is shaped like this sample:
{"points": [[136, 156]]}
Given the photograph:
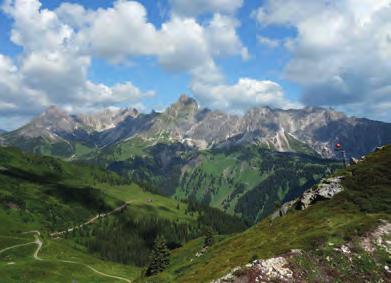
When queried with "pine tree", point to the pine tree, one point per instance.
{"points": [[209, 239], [160, 257]]}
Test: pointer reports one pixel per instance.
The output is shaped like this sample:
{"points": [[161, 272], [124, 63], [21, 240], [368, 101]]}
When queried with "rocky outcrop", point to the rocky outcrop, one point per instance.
{"points": [[325, 190], [276, 269], [286, 268], [283, 210], [106, 119], [379, 238]]}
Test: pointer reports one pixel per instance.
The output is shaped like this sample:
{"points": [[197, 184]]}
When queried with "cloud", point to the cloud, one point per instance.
{"points": [[181, 44], [14, 95], [222, 37], [268, 42], [114, 33], [53, 67], [35, 28], [245, 94], [197, 7], [341, 53]]}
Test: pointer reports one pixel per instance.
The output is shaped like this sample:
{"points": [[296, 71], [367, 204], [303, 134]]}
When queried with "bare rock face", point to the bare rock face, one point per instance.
{"points": [[274, 269], [380, 237], [107, 119], [327, 189]]}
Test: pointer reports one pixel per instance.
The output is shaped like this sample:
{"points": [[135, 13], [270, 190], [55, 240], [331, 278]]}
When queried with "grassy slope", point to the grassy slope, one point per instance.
{"points": [[232, 179], [33, 192], [220, 178], [350, 214]]}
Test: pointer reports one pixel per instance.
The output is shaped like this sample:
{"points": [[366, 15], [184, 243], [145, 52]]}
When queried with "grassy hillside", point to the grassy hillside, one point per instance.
{"points": [[247, 181], [317, 230], [250, 181], [47, 195]]}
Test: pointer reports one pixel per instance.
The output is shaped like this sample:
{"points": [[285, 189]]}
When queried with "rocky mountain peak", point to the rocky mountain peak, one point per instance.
{"points": [[186, 100], [185, 106], [107, 119], [53, 112]]}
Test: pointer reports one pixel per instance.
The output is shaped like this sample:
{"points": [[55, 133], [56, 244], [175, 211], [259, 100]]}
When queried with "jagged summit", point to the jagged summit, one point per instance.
{"points": [[185, 106], [186, 100], [52, 114], [108, 118]]}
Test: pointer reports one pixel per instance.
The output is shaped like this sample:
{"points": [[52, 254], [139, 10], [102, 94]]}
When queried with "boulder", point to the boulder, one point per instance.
{"points": [[283, 210], [354, 161], [327, 189]]}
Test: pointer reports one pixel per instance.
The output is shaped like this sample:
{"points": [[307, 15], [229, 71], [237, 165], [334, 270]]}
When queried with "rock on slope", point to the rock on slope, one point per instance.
{"points": [[326, 189], [285, 268]]}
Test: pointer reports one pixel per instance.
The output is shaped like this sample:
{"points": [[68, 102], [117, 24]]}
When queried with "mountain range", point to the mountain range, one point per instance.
{"points": [[243, 165], [55, 132]]}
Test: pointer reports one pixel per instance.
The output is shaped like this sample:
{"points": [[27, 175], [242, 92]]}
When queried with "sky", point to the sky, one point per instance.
{"points": [[230, 55]]}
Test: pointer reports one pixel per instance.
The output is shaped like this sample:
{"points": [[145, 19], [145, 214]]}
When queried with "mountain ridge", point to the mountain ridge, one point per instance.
{"points": [[184, 121]]}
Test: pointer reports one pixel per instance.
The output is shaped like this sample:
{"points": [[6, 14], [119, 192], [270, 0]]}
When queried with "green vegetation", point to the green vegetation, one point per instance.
{"points": [[48, 195], [45, 146], [245, 181], [209, 239], [160, 257], [248, 181], [345, 218]]}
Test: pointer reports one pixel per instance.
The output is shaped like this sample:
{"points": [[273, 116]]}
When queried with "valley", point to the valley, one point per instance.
{"points": [[49, 195]]}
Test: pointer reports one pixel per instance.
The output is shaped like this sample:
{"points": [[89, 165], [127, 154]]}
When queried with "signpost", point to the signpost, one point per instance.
{"points": [[339, 148]]}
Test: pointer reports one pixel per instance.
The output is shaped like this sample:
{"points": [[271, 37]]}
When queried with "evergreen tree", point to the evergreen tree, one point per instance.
{"points": [[209, 238], [160, 257]]}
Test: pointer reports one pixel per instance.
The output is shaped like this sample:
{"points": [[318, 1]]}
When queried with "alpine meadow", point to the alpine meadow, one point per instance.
{"points": [[194, 141]]}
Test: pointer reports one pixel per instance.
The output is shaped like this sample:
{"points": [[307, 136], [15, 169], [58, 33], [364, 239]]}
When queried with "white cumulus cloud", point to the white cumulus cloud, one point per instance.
{"points": [[197, 7], [245, 94], [342, 52], [53, 67]]}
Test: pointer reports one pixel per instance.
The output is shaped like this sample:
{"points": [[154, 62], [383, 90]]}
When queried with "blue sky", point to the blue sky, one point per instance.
{"points": [[230, 55]]}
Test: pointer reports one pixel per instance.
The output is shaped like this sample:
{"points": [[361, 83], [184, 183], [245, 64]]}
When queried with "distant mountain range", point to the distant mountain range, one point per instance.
{"points": [[55, 132]]}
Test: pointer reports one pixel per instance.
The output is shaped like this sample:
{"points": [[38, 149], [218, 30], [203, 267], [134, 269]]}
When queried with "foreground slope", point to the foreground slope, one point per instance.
{"points": [[319, 232]]}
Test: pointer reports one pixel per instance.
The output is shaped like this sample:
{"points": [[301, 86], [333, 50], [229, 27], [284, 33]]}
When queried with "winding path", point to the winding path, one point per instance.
{"points": [[37, 241], [16, 246], [92, 220], [39, 244]]}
